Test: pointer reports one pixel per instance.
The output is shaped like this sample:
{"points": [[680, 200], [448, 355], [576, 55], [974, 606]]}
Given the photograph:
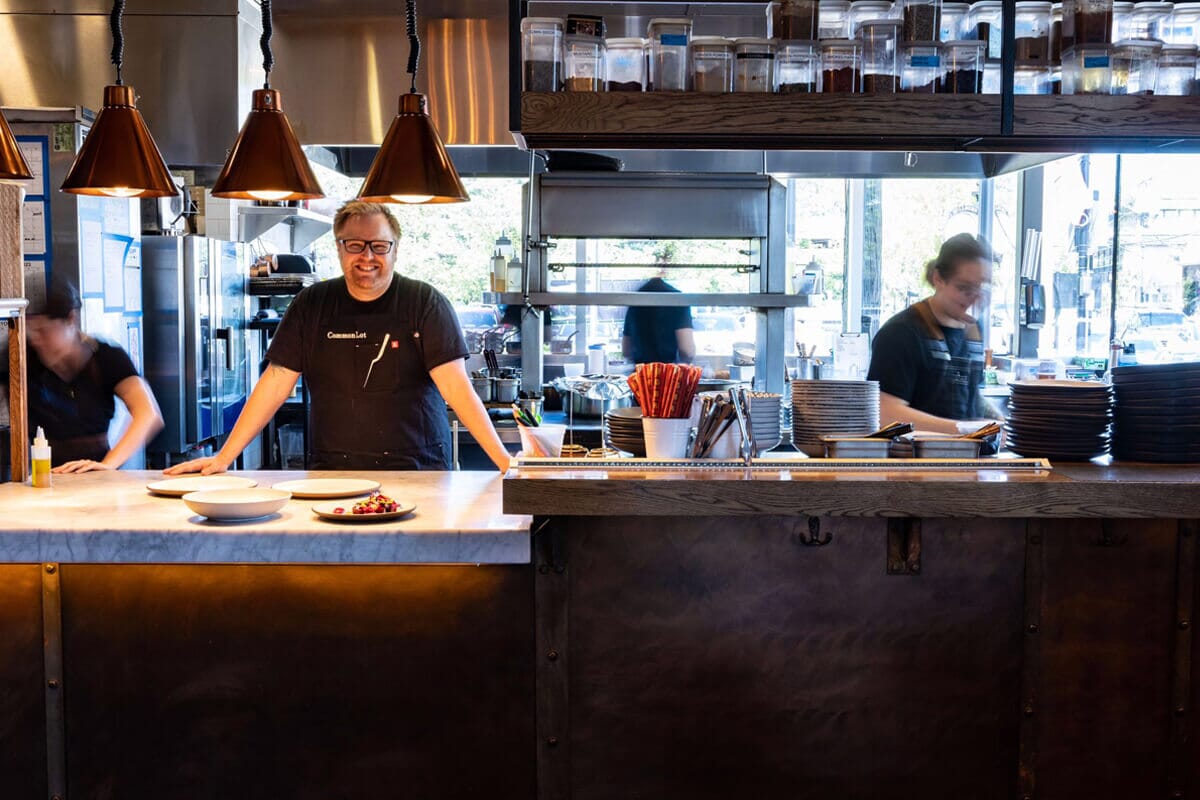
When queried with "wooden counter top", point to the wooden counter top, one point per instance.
{"points": [[109, 517], [1075, 490]]}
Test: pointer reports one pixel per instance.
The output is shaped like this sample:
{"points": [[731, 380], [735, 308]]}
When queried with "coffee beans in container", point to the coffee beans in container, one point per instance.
{"points": [[841, 66], [712, 64], [963, 61], [922, 20], [797, 67], [625, 60], [670, 39], [542, 54]]}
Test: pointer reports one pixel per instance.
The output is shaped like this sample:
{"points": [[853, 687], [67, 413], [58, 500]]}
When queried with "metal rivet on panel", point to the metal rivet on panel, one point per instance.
{"points": [[1029, 711], [552, 655], [1032, 628]]}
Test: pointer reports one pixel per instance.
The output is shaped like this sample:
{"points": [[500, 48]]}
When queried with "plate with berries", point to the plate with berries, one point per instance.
{"points": [[374, 508]]}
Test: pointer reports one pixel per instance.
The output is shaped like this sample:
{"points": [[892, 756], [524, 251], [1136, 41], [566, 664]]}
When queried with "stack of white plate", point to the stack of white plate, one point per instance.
{"points": [[764, 419], [832, 408]]}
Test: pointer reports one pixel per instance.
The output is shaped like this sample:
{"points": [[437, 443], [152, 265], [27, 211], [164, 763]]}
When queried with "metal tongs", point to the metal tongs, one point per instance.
{"points": [[738, 397]]}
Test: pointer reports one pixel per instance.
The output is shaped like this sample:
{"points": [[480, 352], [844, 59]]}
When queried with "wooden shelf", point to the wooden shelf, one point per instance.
{"points": [[1052, 123], [756, 121]]}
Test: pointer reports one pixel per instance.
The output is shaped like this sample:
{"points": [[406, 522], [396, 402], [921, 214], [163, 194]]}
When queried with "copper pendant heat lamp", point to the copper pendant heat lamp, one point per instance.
{"points": [[412, 165], [119, 157], [266, 162], [12, 163]]}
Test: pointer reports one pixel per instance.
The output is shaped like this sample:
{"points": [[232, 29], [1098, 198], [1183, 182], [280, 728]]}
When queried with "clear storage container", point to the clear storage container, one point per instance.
{"points": [[1055, 79], [954, 21], [921, 67], [880, 55], [1135, 66], [542, 54], [963, 61], [1185, 25], [841, 66], [1056, 33], [1033, 30], [1152, 21], [993, 77], [797, 67], [1087, 69], [669, 43], [1122, 22], [584, 62], [712, 64], [1087, 22], [793, 19], [1177, 71], [985, 22], [922, 20], [625, 60], [754, 65], [833, 21], [1031, 78], [863, 10]]}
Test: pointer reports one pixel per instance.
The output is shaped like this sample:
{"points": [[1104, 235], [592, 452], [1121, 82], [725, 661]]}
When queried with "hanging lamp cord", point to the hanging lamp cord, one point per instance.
{"points": [[118, 37], [414, 41], [265, 43]]}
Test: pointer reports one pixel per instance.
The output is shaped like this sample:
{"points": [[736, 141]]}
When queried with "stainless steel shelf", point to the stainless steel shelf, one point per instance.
{"points": [[658, 299]]}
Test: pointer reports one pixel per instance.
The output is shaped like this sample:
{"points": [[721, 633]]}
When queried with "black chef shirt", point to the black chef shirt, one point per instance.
{"points": [[651, 329], [75, 414], [366, 365], [933, 368]]}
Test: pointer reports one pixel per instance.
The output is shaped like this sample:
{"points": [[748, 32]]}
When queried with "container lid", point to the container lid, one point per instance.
{"points": [[870, 5], [751, 40], [626, 41], [890, 22], [811, 44], [1034, 5], [965, 44], [832, 4], [1180, 50], [826, 44], [1153, 6], [1125, 7], [585, 38], [669, 21], [530, 22], [960, 7], [1187, 7], [1138, 44], [1086, 48], [1058, 6], [920, 45], [986, 4], [712, 40]]}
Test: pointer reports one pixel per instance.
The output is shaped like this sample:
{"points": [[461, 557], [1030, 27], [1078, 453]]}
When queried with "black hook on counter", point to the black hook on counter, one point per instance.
{"points": [[813, 537]]}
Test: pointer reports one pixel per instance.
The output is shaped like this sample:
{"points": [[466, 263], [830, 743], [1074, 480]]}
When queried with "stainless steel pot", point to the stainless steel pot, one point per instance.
{"points": [[506, 389], [586, 407]]}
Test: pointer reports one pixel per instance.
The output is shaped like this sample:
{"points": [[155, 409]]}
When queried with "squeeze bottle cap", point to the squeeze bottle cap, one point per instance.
{"points": [[41, 448]]}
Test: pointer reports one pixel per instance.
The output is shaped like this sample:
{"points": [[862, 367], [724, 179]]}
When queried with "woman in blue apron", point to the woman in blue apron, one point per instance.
{"points": [[928, 359]]}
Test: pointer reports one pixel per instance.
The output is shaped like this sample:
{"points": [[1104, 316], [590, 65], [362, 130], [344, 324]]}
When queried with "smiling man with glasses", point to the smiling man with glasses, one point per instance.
{"points": [[379, 353], [928, 359]]}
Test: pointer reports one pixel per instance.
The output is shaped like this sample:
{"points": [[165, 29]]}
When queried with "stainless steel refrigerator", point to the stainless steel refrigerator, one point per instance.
{"points": [[197, 346]]}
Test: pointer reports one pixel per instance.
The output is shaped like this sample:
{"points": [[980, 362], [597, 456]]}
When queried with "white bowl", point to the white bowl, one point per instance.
{"points": [[236, 504]]}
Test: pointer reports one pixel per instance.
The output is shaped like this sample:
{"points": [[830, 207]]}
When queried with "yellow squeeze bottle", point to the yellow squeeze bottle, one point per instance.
{"points": [[41, 461]]}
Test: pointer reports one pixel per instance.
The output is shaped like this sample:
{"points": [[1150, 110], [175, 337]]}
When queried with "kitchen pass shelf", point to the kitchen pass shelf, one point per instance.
{"points": [[653, 299], [916, 122]]}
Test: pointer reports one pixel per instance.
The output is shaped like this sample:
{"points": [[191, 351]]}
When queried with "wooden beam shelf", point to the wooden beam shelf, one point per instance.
{"points": [[1050, 123]]}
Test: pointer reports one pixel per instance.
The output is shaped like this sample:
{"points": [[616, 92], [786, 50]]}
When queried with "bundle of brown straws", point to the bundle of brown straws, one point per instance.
{"points": [[665, 390]]}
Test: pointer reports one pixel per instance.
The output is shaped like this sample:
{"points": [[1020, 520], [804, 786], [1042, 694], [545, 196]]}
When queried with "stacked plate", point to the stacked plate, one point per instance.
{"points": [[1064, 420], [623, 427], [832, 408], [1157, 413], [764, 419]]}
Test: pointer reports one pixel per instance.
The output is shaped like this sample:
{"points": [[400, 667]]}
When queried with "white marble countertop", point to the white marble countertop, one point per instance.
{"points": [[110, 517]]}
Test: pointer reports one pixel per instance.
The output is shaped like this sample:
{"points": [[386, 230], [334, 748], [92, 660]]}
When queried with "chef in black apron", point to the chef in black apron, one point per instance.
{"points": [[928, 359], [381, 356]]}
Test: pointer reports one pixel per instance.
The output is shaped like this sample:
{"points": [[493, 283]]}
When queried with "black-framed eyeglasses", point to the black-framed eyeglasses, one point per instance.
{"points": [[380, 247]]}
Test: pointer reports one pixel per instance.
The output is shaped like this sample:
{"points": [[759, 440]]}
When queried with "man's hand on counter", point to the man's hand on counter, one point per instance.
{"points": [[82, 465], [209, 465]]}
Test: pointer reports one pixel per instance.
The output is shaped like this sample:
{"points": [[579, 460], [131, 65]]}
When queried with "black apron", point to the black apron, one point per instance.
{"points": [[955, 378], [373, 404]]}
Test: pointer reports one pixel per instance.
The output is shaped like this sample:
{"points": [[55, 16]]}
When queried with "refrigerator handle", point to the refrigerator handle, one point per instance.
{"points": [[226, 335]]}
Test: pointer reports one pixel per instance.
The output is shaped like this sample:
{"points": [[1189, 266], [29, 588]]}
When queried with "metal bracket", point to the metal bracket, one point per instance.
{"points": [[904, 546], [812, 537]]}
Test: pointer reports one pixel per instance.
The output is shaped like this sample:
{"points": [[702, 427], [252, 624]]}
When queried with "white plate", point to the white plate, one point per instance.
{"points": [[320, 488], [236, 504], [326, 511], [178, 487]]}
